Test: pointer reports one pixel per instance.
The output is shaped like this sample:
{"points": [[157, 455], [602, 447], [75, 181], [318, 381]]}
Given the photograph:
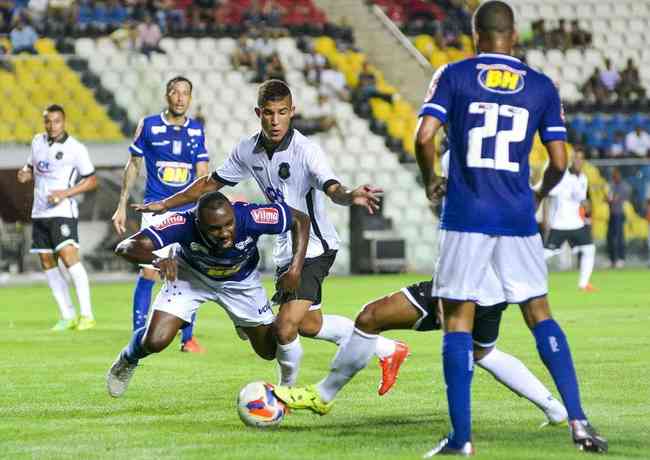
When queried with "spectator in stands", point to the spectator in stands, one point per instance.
{"points": [[5, 63], [244, 55], [149, 37], [609, 77], [273, 14], [264, 49], [314, 66], [125, 37], [23, 38], [333, 83], [36, 12], [316, 118], [630, 86], [367, 89], [619, 193], [116, 14], [540, 37], [637, 143], [254, 17], [561, 37], [171, 14], [6, 13], [274, 70], [617, 149], [580, 38], [593, 89]]}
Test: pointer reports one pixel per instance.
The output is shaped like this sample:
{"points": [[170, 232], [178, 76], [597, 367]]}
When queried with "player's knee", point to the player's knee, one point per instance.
{"points": [[481, 352], [155, 343], [310, 326], [267, 353], [149, 274], [367, 320], [286, 331]]}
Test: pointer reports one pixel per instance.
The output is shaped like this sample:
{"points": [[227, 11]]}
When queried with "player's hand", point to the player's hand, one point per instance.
{"points": [[119, 220], [155, 207], [24, 174], [168, 267], [289, 280], [56, 197], [437, 190], [368, 197]]}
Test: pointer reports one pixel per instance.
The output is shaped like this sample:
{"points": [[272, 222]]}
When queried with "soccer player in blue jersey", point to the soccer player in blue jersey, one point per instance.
{"points": [[492, 106], [214, 258], [172, 146]]}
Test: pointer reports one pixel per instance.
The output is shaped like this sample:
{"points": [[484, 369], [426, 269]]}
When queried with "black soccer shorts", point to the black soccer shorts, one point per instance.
{"points": [[50, 235], [314, 273], [578, 237]]}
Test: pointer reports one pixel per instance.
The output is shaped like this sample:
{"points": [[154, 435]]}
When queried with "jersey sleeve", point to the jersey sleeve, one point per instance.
{"points": [[138, 145], [552, 123], [267, 219], [83, 163], [200, 152], [174, 229], [437, 101], [233, 170], [320, 172]]}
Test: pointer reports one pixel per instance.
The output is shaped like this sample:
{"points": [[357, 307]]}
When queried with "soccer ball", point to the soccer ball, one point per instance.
{"points": [[258, 407]]}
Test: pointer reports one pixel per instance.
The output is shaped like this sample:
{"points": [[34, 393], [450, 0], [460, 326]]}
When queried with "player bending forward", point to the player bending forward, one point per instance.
{"points": [[215, 259], [289, 168]]}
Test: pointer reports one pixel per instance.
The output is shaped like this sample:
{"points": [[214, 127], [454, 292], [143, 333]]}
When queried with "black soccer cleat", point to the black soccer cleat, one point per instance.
{"points": [[586, 438]]}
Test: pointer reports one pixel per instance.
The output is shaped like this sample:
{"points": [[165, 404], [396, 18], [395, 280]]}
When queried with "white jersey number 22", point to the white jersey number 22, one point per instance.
{"points": [[492, 113]]}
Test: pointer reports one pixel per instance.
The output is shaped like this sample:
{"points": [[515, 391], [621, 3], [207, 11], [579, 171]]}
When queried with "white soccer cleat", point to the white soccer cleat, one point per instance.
{"points": [[443, 449], [119, 376], [555, 412]]}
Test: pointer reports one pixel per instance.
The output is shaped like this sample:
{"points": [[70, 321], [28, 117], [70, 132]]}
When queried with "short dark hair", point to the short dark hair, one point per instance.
{"points": [[53, 108], [177, 79], [272, 90], [494, 17], [212, 200]]}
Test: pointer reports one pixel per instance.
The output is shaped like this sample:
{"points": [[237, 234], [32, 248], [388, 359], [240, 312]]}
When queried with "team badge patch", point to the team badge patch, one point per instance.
{"points": [[266, 215], [176, 219], [283, 171], [65, 230], [59, 155]]}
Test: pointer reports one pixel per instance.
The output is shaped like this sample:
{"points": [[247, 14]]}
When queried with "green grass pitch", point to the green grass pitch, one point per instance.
{"points": [[54, 404]]}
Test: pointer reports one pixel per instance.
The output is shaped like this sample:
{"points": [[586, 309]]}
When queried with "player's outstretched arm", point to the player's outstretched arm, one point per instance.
{"points": [[139, 249], [301, 223], [365, 195], [555, 170], [425, 154], [189, 194], [131, 173]]}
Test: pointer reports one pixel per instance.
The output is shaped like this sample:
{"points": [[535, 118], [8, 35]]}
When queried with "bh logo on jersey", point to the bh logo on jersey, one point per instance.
{"points": [[174, 173], [502, 79]]}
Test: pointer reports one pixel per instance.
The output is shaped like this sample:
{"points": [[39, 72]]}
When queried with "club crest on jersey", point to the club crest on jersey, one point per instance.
{"points": [[176, 219], [266, 215], [43, 166], [500, 78], [58, 155], [284, 171]]}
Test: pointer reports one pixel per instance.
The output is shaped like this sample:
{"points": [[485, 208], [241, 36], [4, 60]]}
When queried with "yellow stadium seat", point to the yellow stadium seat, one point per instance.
{"points": [[381, 109], [467, 43], [438, 59], [424, 44], [396, 127], [325, 46], [45, 46]]}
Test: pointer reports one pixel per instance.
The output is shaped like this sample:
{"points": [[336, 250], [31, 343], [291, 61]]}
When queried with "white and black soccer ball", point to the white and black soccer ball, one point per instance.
{"points": [[258, 407]]}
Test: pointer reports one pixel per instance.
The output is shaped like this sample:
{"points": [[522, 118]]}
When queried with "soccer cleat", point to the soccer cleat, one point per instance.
{"points": [[65, 325], [303, 398], [586, 438], [192, 346], [588, 288], [443, 449], [556, 414], [85, 322], [119, 376], [390, 367]]}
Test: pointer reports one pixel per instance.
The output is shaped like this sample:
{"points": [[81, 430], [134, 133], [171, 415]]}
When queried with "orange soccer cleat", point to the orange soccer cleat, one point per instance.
{"points": [[390, 367], [588, 288], [193, 346]]}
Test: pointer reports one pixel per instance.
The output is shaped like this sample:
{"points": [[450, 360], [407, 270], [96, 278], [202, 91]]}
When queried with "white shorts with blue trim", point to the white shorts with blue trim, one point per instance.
{"points": [[463, 268]]}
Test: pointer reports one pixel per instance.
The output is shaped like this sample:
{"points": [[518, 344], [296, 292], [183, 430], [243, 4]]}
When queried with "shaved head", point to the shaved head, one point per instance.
{"points": [[494, 17]]}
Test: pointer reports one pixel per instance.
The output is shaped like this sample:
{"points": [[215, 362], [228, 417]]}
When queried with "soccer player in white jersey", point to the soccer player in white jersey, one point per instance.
{"points": [[568, 224], [290, 168], [56, 163], [493, 105]]}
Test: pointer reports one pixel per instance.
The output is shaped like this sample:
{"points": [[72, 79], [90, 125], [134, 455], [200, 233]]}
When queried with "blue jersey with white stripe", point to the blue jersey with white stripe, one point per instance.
{"points": [[171, 153], [234, 263], [492, 106]]}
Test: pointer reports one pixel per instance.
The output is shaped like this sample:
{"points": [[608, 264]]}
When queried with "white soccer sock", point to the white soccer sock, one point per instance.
{"points": [[81, 285], [517, 377], [289, 357], [352, 356], [586, 264], [60, 291], [337, 328]]}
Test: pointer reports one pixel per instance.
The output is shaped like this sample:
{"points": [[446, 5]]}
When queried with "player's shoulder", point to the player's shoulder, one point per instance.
{"points": [[194, 127], [39, 139], [74, 143], [302, 145]]}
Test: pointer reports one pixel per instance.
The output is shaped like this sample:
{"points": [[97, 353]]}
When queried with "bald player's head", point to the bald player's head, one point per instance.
{"points": [[494, 27]]}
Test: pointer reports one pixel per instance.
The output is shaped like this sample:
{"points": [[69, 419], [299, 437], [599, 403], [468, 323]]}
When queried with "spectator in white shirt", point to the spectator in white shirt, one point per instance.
{"points": [[637, 142], [609, 77], [333, 84], [617, 149], [149, 36]]}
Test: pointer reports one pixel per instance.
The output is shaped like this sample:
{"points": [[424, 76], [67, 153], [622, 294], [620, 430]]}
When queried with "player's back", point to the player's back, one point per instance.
{"points": [[493, 105]]}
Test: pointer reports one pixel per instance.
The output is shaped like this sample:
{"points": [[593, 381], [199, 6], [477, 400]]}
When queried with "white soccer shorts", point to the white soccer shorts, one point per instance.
{"points": [[244, 301], [149, 219], [464, 261]]}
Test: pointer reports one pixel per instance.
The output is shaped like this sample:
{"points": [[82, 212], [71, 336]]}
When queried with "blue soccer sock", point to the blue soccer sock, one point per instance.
{"points": [[458, 365], [134, 351], [141, 301], [187, 331], [554, 350]]}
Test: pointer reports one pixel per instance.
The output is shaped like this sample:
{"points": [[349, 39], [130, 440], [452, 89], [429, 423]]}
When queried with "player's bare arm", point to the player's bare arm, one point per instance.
{"points": [[202, 168], [425, 153], [131, 173], [25, 174], [555, 170], [189, 194], [139, 250], [364, 195], [290, 280], [86, 184]]}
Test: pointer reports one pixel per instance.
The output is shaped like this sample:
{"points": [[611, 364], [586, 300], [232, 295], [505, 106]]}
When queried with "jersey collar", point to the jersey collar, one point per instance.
{"points": [[283, 145], [499, 56], [60, 140], [164, 120]]}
